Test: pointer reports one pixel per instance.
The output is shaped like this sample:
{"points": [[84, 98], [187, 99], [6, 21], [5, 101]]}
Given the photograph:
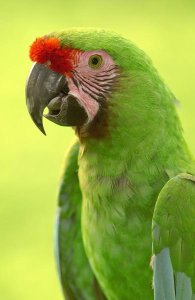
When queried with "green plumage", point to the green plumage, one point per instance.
{"points": [[174, 229], [76, 276], [120, 177]]}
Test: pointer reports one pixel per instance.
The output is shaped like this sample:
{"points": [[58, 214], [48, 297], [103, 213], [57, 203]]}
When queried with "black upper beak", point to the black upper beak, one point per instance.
{"points": [[48, 88], [42, 86]]}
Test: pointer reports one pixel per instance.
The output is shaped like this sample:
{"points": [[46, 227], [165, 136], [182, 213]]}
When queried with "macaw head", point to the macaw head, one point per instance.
{"points": [[85, 77]]}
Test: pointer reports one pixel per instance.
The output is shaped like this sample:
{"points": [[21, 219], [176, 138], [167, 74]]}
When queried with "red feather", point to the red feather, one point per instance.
{"points": [[49, 50]]}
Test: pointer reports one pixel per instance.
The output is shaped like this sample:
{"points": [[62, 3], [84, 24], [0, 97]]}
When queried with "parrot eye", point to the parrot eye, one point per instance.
{"points": [[95, 61]]}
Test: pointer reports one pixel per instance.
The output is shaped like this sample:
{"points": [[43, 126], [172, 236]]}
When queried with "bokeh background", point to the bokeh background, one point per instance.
{"points": [[30, 163]]}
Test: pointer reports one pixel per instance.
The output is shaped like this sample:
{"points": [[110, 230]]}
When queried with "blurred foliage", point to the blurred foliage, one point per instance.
{"points": [[31, 163]]}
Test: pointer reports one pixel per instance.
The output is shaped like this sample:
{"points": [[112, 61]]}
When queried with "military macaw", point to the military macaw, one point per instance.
{"points": [[128, 189]]}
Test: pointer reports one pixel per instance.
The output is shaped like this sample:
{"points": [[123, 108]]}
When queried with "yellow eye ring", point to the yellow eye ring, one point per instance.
{"points": [[95, 61]]}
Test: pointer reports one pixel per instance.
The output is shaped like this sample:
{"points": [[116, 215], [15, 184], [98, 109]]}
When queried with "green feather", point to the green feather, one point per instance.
{"points": [[174, 228], [122, 174], [77, 279]]}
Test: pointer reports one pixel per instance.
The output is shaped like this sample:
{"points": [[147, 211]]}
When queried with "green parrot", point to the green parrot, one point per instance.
{"points": [[127, 195]]}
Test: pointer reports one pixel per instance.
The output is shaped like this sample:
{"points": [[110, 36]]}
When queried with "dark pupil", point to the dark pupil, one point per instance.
{"points": [[95, 60]]}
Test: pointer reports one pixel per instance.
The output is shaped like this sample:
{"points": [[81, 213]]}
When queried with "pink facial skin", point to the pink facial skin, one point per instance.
{"points": [[89, 84]]}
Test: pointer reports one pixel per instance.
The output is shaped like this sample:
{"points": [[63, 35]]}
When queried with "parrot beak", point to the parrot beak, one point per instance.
{"points": [[46, 88]]}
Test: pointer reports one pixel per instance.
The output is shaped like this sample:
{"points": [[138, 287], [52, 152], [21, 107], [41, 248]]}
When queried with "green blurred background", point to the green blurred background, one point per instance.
{"points": [[31, 163]]}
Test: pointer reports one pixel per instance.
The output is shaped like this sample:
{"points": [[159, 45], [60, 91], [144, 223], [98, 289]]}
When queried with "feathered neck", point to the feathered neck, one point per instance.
{"points": [[143, 128]]}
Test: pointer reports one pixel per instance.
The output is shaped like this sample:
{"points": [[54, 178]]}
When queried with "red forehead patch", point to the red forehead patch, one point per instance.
{"points": [[49, 50]]}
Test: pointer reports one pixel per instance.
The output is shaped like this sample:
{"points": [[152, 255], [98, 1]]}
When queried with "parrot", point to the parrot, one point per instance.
{"points": [[125, 226]]}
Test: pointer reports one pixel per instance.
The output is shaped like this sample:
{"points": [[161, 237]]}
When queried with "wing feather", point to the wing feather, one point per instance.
{"points": [[77, 279], [174, 240]]}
